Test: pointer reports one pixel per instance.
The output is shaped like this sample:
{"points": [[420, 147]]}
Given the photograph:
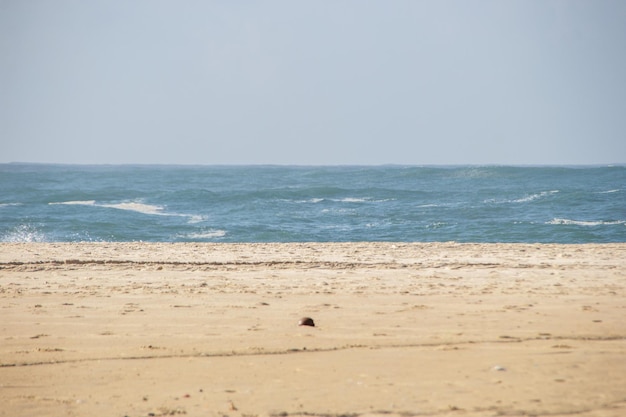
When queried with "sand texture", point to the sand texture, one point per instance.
{"points": [[433, 329]]}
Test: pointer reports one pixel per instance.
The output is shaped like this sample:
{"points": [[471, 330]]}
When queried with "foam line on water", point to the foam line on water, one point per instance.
{"points": [[587, 223], [134, 206]]}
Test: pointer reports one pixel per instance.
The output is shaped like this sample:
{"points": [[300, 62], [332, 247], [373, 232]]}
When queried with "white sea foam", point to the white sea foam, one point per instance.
{"points": [[342, 200], [194, 218], [534, 197], [9, 204], [352, 200], [76, 203], [155, 210], [584, 222], [307, 201], [609, 191], [137, 207], [209, 234], [436, 225], [362, 200], [525, 199], [129, 206], [24, 233]]}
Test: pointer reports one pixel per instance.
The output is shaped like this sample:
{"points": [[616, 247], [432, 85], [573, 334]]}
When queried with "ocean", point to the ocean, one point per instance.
{"points": [[162, 203]]}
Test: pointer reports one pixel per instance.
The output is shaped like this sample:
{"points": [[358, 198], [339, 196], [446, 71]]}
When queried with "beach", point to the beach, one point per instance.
{"points": [[401, 329]]}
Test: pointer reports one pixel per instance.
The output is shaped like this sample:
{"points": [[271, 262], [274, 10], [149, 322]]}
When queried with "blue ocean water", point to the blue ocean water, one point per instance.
{"points": [[68, 203]]}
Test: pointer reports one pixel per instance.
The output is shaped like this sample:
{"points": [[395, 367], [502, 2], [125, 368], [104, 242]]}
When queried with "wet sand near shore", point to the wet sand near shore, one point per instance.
{"points": [[401, 329]]}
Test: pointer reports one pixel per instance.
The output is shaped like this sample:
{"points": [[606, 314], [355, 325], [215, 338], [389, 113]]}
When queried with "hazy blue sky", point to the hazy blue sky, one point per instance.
{"points": [[313, 82]]}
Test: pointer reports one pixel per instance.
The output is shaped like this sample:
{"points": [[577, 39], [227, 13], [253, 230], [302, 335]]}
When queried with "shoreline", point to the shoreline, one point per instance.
{"points": [[402, 329], [215, 252]]}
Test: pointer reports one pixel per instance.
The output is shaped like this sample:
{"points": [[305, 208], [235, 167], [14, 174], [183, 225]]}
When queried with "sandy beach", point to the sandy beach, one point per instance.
{"points": [[436, 329]]}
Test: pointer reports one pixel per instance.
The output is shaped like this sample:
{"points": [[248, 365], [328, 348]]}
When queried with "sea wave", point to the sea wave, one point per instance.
{"points": [[24, 233], [525, 199], [134, 206], [362, 200], [316, 200], [305, 201], [137, 207], [285, 204], [534, 197], [436, 225], [587, 223], [75, 203], [209, 234], [352, 200], [194, 218], [127, 205]]}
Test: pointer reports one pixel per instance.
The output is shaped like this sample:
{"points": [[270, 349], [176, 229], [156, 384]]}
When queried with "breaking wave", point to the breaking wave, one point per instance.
{"points": [[24, 233], [209, 234], [134, 206], [525, 199], [584, 222]]}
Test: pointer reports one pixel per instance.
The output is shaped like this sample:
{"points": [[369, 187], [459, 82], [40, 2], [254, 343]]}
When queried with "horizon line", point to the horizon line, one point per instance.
{"points": [[416, 165]]}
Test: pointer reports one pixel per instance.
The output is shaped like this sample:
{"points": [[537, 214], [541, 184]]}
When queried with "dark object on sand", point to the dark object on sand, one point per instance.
{"points": [[306, 321]]}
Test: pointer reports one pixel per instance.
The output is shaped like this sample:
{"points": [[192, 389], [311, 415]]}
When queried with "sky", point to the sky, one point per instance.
{"points": [[326, 82]]}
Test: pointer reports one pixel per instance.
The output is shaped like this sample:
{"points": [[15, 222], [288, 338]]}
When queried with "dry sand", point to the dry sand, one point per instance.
{"points": [[439, 329]]}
